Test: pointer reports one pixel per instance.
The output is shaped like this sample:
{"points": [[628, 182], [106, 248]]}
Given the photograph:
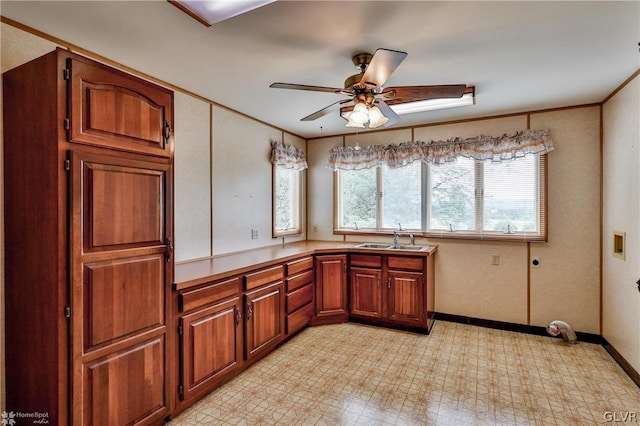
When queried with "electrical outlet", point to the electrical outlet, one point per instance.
{"points": [[535, 262], [495, 260], [254, 234]]}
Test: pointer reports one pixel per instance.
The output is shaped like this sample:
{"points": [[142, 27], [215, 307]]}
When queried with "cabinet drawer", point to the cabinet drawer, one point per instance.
{"points": [[299, 265], [366, 260], [299, 280], [410, 263], [262, 277], [203, 296], [299, 318], [299, 298]]}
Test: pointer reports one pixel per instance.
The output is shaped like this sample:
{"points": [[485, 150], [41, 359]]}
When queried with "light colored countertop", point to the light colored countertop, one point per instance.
{"points": [[200, 271]]}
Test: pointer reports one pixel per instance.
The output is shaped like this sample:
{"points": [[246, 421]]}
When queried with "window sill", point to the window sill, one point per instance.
{"points": [[455, 235], [281, 234]]}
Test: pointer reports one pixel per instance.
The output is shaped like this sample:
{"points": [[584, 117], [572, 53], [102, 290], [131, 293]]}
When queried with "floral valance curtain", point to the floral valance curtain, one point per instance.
{"points": [[287, 156], [495, 148]]}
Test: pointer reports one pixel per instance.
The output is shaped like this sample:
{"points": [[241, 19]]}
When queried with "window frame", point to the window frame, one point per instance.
{"points": [[296, 210], [478, 234]]}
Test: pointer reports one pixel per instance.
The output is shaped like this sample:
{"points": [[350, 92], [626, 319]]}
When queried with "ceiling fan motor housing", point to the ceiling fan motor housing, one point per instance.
{"points": [[362, 61]]}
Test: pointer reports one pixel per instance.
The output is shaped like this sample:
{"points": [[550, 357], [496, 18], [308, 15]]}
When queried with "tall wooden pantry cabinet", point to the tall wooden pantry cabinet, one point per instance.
{"points": [[88, 157]]}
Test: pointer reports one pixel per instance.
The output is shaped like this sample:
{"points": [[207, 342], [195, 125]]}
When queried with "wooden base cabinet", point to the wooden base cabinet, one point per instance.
{"points": [[263, 311], [263, 315], [331, 289], [211, 337], [299, 294], [366, 292], [225, 326], [406, 297], [88, 236], [394, 290]]}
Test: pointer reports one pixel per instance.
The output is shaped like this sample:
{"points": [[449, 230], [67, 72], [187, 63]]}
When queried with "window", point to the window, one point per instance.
{"points": [[402, 196], [451, 195], [464, 198], [287, 201], [359, 193], [382, 197]]}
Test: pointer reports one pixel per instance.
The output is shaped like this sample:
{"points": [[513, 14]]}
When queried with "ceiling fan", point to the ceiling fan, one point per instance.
{"points": [[371, 100]]}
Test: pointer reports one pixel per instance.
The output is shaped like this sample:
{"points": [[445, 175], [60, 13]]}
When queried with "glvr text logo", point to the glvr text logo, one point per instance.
{"points": [[621, 416]]}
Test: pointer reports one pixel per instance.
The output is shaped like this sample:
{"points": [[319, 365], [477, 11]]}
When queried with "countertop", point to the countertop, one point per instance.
{"points": [[200, 271]]}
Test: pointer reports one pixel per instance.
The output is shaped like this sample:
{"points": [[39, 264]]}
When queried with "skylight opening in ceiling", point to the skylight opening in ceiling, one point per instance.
{"points": [[209, 12]]}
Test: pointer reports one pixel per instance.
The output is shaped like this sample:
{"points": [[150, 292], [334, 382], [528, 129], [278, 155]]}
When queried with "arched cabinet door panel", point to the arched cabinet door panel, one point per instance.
{"points": [[112, 109]]}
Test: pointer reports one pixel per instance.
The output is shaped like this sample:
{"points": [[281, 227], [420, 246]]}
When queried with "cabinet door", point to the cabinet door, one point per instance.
{"points": [[116, 110], [366, 292], [406, 295], [331, 287], [211, 345], [264, 319], [120, 276]]}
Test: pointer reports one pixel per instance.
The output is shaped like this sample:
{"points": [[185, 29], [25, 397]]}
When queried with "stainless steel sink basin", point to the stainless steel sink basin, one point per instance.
{"points": [[383, 246], [373, 246]]}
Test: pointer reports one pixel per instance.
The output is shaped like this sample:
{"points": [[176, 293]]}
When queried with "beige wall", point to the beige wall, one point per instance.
{"points": [[621, 212], [320, 189], [192, 177], [242, 181], [566, 285]]}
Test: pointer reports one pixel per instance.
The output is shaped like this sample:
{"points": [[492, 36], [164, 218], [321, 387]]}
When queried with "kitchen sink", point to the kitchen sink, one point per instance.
{"points": [[383, 246], [373, 246]]}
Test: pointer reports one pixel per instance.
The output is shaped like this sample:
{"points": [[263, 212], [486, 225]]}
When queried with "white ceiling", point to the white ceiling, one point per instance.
{"points": [[519, 55]]}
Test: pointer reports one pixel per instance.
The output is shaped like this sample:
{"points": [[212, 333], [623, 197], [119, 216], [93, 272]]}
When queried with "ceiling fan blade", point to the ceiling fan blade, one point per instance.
{"points": [[418, 93], [382, 65], [305, 87], [324, 111], [387, 112]]}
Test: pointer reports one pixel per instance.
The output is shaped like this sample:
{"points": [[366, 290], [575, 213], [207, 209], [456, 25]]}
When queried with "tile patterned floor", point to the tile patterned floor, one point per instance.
{"points": [[351, 374]]}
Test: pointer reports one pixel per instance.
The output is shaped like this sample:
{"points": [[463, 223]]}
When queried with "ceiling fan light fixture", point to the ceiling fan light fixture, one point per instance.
{"points": [[376, 117], [359, 116], [355, 125], [433, 104]]}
